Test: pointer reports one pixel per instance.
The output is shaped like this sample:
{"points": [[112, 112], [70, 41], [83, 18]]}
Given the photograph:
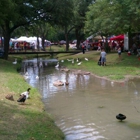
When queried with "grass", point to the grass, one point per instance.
{"points": [[23, 122], [116, 69]]}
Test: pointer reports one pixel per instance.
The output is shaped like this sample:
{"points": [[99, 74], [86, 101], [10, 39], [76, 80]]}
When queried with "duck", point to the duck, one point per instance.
{"points": [[37, 77], [62, 61], [46, 64], [19, 69], [79, 63], [66, 83], [86, 59], [26, 77], [69, 59], [41, 65], [26, 73], [57, 66], [24, 96], [72, 61], [77, 60], [15, 62], [120, 117]]}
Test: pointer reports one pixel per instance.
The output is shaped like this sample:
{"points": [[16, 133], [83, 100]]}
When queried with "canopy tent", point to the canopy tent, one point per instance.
{"points": [[98, 37], [22, 38], [31, 40], [118, 38]]}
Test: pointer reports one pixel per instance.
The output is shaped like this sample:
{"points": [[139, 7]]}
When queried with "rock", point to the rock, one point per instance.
{"points": [[58, 83], [79, 72], [65, 69], [86, 73], [9, 97]]}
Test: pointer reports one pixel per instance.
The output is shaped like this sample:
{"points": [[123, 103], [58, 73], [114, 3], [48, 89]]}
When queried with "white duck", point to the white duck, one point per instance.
{"points": [[77, 60], [72, 61], [26, 73], [37, 77], [46, 64], [86, 59], [79, 63], [41, 64], [62, 61], [57, 66], [69, 59], [26, 77], [15, 62]]}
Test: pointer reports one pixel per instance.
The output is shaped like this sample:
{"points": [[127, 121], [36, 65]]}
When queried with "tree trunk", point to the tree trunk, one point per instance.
{"points": [[38, 44], [6, 34], [67, 40], [43, 40], [78, 39]]}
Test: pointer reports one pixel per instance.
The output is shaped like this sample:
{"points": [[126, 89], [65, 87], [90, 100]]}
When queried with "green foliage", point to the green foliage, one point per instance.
{"points": [[113, 17]]}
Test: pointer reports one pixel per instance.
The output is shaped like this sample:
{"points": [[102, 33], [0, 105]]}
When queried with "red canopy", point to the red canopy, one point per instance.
{"points": [[118, 38]]}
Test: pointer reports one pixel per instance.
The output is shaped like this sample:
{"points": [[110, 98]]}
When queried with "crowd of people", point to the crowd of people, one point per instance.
{"points": [[21, 46]]}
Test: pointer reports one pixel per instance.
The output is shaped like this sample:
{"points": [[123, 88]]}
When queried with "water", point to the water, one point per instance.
{"points": [[86, 109]]}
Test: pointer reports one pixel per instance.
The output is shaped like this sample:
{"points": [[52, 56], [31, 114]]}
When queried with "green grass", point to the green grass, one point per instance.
{"points": [[23, 122], [116, 69]]}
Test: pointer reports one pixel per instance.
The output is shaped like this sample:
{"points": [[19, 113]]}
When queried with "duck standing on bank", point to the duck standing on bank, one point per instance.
{"points": [[79, 63], [24, 96], [57, 66], [15, 62]]}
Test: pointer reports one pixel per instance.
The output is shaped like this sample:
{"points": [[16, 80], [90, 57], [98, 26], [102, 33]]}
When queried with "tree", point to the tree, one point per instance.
{"points": [[64, 19], [17, 13], [113, 16], [80, 9]]}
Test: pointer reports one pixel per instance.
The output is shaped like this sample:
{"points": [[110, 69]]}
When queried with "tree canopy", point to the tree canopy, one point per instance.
{"points": [[113, 16], [17, 13], [102, 16]]}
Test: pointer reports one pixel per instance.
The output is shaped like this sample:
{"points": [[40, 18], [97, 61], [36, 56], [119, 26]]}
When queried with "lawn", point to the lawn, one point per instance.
{"points": [[116, 69]]}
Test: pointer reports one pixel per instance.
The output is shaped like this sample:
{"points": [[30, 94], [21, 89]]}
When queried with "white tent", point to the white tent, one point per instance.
{"points": [[31, 40], [23, 38], [98, 37]]}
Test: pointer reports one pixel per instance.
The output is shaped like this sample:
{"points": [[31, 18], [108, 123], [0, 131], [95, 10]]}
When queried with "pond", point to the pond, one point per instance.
{"points": [[86, 109]]}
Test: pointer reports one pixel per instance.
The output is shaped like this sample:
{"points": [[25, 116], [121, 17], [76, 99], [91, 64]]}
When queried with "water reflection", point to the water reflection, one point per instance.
{"points": [[86, 109]]}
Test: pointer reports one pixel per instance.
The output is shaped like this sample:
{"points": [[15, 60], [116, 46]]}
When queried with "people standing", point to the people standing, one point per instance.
{"points": [[99, 47], [119, 52], [83, 48], [103, 57]]}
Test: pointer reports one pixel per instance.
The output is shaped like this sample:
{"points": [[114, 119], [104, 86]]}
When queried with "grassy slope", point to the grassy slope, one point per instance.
{"points": [[116, 69], [22, 122]]}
